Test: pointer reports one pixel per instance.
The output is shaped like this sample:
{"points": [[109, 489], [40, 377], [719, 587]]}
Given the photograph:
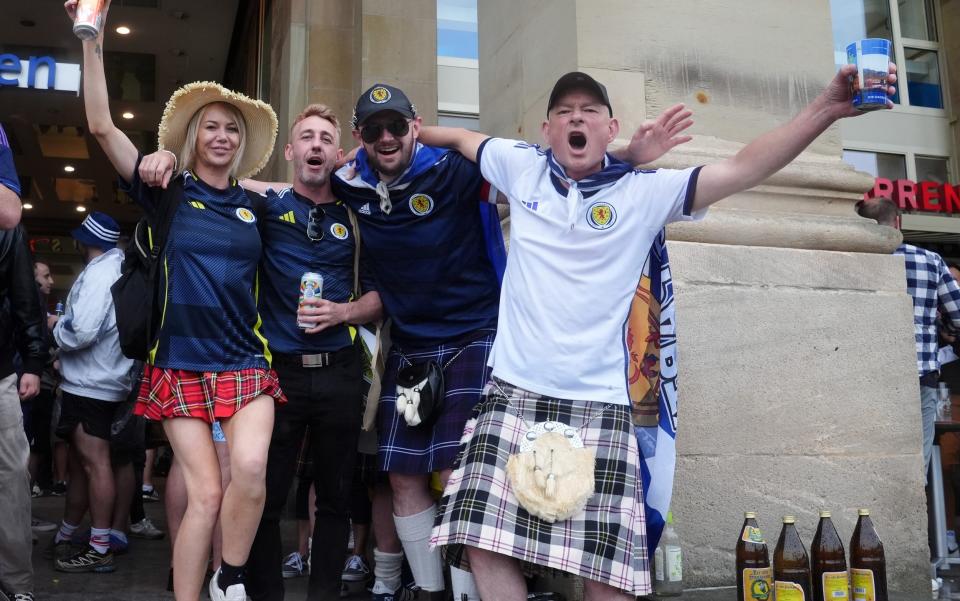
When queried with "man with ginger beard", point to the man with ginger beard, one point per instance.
{"points": [[308, 229]]}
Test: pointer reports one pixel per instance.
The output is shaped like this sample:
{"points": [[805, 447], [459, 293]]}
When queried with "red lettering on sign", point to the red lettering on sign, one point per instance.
{"points": [[905, 193], [930, 197], [951, 199], [882, 188]]}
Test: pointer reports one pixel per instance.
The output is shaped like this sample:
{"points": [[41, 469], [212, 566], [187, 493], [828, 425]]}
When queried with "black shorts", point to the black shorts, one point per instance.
{"points": [[94, 415]]}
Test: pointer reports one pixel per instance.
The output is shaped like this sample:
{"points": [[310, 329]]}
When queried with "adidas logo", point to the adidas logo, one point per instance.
{"points": [[288, 217], [365, 209]]}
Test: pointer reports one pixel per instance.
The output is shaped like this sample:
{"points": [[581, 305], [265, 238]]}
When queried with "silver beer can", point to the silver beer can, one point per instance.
{"points": [[311, 286], [89, 19]]}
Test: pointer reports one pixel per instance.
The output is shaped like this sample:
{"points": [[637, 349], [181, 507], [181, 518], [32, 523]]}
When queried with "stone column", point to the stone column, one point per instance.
{"points": [[329, 51], [798, 381]]}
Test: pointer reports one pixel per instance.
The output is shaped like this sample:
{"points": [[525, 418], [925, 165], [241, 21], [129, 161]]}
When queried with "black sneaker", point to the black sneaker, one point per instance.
{"points": [[61, 550], [86, 560]]}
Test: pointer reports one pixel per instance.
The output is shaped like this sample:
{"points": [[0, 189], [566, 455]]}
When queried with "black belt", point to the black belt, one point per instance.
{"points": [[325, 359]]}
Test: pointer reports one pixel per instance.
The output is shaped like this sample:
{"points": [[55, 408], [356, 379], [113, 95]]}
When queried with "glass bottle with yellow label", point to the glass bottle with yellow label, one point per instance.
{"points": [[828, 563], [868, 566], [791, 566], [754, 575]]}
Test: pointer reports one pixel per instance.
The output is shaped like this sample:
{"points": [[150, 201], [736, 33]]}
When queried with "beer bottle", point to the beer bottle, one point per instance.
{"points": [[828, 563], [754, 576], [791, 568], [868, 567]]}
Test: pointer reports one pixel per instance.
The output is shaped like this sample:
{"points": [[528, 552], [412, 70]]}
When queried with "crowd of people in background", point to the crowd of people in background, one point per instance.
{"points": [[498, 375]]}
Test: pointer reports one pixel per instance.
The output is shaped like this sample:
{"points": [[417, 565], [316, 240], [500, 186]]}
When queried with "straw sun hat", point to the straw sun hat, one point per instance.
{"points": [[260, 120]]}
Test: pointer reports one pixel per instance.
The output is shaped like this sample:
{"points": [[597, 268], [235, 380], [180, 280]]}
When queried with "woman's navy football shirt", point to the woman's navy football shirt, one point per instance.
{"points": [[209, 317]]}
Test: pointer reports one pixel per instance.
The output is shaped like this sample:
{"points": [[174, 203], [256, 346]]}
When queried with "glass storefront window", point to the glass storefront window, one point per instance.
{"points": [[933, 169], [923, 78], [918, 20], [857, 19], [878, 164], [457, 28]]}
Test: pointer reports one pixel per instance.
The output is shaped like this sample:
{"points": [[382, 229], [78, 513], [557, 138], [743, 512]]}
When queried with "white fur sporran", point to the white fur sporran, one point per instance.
{"points": [[552, 475]]}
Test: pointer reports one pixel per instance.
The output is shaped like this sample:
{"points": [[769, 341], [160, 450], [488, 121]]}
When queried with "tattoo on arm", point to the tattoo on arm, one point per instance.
{"points": [[99, 52]]}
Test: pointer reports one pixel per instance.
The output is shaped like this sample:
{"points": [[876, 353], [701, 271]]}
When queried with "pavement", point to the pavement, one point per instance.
{"points": [[141, 574]]}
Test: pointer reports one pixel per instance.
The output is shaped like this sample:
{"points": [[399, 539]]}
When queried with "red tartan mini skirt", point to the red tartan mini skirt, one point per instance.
{"points": [[166, 393]]}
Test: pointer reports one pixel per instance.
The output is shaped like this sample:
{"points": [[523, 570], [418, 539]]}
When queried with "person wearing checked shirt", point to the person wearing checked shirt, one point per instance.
{"points": [[308, 229]]}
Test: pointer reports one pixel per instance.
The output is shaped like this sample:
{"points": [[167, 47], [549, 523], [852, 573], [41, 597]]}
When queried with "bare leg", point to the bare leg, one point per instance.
{"points": [[94, 455], [77, 500], [148, 467], [60, 461], [411, 494], [175, 499], [193, 445], [125, 481], [223, 456], [248, 438], [384, 529], [598, 591], [498, 576]]}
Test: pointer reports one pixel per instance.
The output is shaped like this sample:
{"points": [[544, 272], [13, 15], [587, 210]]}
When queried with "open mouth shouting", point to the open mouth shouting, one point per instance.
{"points": [[577, 140], [315, 161], [389, 149]]}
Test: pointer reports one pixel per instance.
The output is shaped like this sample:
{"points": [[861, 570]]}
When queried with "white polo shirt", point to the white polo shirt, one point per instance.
{"points": [[572, 271]]}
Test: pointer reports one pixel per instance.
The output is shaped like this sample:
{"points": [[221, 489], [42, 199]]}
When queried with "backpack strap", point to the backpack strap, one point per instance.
{"points": [[356, 251], [163, 218]]}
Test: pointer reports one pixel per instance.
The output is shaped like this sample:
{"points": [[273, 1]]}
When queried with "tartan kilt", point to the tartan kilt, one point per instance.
{"points": [[166, 393], [605, 542], [424, 449]]}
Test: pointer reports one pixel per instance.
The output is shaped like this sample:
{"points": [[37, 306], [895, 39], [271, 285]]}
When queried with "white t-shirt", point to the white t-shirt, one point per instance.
{"points": [[572, 271]]}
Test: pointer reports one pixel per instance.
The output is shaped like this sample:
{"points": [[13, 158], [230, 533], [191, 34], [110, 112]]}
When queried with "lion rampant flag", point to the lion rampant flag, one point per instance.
{"points": [[652, 382]]}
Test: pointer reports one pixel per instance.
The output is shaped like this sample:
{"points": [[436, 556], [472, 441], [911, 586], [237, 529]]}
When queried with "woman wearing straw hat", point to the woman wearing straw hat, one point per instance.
{"points": [[209, 361]]}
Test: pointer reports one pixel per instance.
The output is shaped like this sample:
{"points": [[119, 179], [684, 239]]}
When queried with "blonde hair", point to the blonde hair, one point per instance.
{"points": [[317, 110], [188, 154]]}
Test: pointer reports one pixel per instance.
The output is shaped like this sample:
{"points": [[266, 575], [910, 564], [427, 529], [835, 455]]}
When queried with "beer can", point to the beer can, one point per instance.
{"points": [[89, 19], [311, 286], [869, 83]]}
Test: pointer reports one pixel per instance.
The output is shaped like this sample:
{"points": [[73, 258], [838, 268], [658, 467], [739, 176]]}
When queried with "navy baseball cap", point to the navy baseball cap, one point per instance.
{"points": [[98, 230], [381, 97], [575, 80]]}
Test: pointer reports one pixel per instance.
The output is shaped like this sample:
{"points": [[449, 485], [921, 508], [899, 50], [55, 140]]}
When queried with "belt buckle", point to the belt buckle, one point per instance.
{"points": [[318, 360]]}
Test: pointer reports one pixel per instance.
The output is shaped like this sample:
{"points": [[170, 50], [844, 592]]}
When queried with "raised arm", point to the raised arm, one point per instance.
{"points": [[464, 141], [655, 138], [115, 144], [772, 151]]}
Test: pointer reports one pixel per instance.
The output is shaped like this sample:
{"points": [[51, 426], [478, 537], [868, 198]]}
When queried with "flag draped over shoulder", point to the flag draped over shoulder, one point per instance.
{"points": [[652, 345]]}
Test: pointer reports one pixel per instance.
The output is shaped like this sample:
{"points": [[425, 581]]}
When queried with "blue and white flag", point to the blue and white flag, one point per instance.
{"points": [[652, 345]]}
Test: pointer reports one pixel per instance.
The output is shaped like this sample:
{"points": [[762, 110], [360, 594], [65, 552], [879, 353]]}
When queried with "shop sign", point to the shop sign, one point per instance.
{"points": [[39, 73], [52, 245], [925, 197]]}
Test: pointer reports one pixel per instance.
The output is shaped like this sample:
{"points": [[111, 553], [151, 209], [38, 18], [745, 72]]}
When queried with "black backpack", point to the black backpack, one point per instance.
{"points": [[137, 296]]}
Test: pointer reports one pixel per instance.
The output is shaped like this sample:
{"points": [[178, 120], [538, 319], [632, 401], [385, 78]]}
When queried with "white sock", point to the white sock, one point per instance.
{"points": [[426, 565], [463, 585], [386, 570], [100, 539], [65, 532]]}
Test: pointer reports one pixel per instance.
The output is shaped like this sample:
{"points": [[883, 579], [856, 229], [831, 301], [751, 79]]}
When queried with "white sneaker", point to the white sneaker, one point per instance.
{"points": [[39, 525], [145, 529], [235, 592]]}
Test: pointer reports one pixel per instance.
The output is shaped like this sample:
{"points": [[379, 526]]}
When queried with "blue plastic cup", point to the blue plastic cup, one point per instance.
{"points": [[872, 58]]}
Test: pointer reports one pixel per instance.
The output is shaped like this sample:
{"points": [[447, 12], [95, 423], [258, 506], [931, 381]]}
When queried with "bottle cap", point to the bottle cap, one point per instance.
{"points": [[789, 519], [863, 512], [749, 515], [824, 513]]}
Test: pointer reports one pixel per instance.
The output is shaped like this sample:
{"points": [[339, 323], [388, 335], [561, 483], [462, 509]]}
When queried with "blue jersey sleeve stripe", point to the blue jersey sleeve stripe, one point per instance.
{"points": [[691, 192]]}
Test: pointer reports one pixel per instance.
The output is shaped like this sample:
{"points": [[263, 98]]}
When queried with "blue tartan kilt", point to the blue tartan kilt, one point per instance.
{"points": [[424, 449]]}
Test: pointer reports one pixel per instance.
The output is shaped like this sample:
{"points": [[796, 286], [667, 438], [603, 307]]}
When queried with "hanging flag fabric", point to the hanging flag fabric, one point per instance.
{"points": [[652, 345]]}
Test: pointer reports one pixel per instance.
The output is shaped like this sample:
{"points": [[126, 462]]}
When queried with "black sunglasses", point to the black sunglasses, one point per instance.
{"points": [[315, 223], [371, 133]]}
